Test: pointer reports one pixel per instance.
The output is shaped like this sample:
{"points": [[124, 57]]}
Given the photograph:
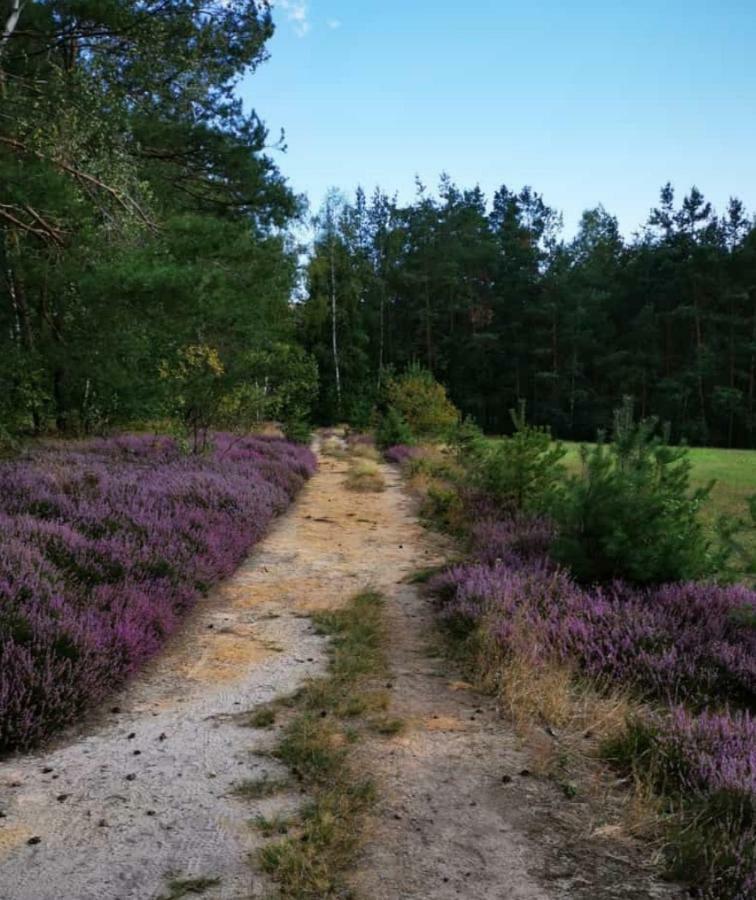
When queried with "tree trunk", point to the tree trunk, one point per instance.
{"points": [[334, 339], [10, 23]]}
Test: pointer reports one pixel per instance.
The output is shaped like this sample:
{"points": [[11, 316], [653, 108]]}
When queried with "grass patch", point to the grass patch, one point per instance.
{"points": [[256, 789], [334, 447], [185, 887], [261, 718], [365, 476], [387, 726], [275, 826], [423, 576], [318, 847], [366, 451]]}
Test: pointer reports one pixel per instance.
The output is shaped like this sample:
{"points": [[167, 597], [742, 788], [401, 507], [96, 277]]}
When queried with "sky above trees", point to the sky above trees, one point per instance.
{"points": [[589, 101]]}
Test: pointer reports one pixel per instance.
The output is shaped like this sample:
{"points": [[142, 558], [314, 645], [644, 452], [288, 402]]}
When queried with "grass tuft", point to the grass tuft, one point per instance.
{"points": [[317, 850], [256, 789], [261, 718], [365, 476], [184, 887]]}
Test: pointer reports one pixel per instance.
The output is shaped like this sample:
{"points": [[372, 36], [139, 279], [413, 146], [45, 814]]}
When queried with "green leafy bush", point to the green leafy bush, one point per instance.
{"points": [[631, 514], [422, 403], [520, 471]]}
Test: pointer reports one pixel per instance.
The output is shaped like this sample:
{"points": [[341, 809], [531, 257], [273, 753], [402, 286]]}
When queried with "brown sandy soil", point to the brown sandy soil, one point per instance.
{"points": [[460, 815], [143, 791]]}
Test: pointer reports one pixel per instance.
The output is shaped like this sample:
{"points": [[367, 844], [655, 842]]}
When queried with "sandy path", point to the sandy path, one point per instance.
{"points": [[143, 791]]}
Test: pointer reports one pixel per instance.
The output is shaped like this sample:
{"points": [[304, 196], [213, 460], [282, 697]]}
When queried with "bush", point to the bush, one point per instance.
{"points": [[402, 453], [517, 472], [298, 431], [632, 514], [422, 403], [467, 439], [393, 429]]}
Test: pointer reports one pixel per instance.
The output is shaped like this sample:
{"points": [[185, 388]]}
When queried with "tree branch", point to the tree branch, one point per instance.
{"points": [[125, 201]]}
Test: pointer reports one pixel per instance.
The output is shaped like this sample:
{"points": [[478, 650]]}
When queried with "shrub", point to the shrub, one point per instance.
{"points": [[632, 514], [422, 403], [103, 547], [466, 439], [393, 429], [298, 431], [517, 472]]}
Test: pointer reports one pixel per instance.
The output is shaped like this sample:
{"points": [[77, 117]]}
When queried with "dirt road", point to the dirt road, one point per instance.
{"points": [[143, 792]]}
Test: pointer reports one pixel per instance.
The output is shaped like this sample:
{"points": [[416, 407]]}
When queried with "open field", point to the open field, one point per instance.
{"points": [[733, 470]]}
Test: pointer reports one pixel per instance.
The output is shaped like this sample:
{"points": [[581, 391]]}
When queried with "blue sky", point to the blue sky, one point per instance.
{"points": [[587, 102]]}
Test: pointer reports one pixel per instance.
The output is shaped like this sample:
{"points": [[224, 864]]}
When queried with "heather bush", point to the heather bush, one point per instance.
{"points": [[104, 545], [517, 472], [703, 767], [682, 643], [632, 514], [402, 453]]}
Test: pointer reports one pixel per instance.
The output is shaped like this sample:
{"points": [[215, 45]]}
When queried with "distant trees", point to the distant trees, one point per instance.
{"points": [[500, 307]]}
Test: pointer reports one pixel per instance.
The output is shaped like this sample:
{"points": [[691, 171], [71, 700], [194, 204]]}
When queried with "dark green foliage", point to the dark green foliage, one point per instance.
{"points": [[466, 439], [141, 215], [500, 306], [631, 514], [393, 429], [518, 472], [298, 430]]}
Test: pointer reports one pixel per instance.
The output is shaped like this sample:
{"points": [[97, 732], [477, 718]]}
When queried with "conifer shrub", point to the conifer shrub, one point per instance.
{"points": [[632, 513], [393, 429], [517, 472]]}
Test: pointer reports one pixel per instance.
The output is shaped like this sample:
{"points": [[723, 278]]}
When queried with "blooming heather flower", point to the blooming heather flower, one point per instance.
{"points": [[104, 545]]}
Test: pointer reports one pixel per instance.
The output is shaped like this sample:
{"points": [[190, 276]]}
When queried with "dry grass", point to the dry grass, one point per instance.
{"points": [[365, 476], [185, 887], [366, 451], [334, 447], [563, 722]]}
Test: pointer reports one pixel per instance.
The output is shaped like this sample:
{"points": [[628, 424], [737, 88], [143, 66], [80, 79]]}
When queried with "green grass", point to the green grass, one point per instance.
{"points": [[256, 789], [314, 851], [184, 887]]}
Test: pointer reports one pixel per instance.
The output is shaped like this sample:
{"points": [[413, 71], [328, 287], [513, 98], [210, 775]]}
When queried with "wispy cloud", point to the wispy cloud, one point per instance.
{"points": [[298, 13], [333, 24]]}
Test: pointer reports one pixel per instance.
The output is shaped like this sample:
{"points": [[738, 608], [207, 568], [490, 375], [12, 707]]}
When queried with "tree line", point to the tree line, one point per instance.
{"points": [[145, 262], [148, 268], [502, 308]]}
